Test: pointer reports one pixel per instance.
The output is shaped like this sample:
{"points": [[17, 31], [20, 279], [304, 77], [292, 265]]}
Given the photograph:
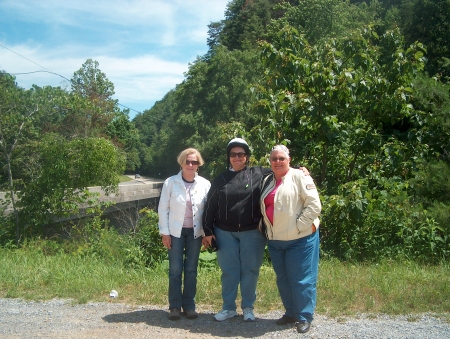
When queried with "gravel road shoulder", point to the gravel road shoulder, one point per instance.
{"points": [[60, 319]]}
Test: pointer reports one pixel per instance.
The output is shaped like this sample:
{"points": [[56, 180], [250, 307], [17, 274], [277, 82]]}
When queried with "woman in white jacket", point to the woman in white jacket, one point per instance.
{"points": [[290, 206], [180, 213]]}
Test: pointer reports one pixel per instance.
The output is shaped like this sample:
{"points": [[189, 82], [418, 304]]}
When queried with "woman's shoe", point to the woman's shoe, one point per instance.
{"points": [[285, 319], [191, 314], [303, 326], [174, 314]]}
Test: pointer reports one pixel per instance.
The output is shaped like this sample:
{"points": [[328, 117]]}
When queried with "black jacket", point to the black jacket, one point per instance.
{"points": [[233, 201]]}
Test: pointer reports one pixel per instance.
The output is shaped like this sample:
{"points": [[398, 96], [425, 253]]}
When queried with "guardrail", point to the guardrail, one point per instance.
{"points": [[125, 194]]}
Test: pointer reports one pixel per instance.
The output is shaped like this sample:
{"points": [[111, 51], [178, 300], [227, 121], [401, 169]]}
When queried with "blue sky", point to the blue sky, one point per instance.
{"points": [[143, 46]]}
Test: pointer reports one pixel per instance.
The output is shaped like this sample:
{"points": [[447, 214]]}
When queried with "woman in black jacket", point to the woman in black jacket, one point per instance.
{"points": [[231, 216]]}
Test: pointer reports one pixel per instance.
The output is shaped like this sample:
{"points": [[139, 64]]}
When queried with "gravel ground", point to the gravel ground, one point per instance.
{"points": [[60, 319]]}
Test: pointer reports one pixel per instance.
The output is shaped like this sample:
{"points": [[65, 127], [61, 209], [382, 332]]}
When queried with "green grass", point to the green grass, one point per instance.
{"points": [[344, 289], [124, 178]]}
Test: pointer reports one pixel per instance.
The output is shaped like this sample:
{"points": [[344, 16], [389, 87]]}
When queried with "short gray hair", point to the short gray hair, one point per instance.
{"points": [[281, 148]]}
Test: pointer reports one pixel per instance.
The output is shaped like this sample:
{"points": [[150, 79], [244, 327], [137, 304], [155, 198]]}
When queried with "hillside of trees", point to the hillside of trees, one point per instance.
{"points": [[358, 90]]}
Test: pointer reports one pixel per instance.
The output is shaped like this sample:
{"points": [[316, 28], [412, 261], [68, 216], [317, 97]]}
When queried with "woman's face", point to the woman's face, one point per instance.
{"points": [[190, 166], [279, 162], [238, 158]]}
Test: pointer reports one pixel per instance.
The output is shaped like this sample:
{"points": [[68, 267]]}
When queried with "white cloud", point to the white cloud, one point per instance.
{"points": [[168, 15], [144, 78], [143, 46]]}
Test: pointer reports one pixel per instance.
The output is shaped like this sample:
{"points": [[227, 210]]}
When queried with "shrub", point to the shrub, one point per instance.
{"points": [[147, 248], [369, 224]]}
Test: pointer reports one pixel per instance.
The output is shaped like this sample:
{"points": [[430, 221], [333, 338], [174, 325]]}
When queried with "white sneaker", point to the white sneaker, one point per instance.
{"points": [[248, 314], [224, 315]]}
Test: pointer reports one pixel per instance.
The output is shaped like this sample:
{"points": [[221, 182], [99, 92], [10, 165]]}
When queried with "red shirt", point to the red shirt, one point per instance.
{"points": [[269, 201]]}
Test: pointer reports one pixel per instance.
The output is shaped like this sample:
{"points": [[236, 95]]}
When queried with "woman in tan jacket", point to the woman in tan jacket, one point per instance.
{"points": [[290, 206]]}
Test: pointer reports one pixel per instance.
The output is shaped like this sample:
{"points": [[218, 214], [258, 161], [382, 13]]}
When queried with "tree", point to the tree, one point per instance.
{"points": [[347, 92], [17, 113], [344, 107], [67, 169], [214, 32], [245, 22], [430, 24], [322, 19], [432, 98], [124, 135], [90, 83]]}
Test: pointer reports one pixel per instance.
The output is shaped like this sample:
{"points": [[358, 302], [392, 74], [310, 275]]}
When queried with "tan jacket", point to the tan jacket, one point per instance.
{"points": [[297, 206]]}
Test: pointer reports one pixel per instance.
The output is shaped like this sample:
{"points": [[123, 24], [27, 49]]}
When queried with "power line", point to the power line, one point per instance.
{"points": [[25, 58], [41, 72], [131, 109], [49, 71]]}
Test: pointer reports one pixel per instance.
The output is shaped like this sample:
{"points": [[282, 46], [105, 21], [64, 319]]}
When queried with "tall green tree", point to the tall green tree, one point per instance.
{"points": [[124, 135], [245, 23], [352, 92], [344, 107], [17, 114], [90, 83], [431, 189], [205, 110], [430, 24]]}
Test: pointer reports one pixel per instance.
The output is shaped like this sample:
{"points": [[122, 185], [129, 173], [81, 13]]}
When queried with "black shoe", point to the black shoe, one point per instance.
{"points": [[285, 319], [303, 326], [191, 314], [174, 314]]}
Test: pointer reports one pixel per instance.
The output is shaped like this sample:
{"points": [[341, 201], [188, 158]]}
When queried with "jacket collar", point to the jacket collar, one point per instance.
{"points": [[179, 177]]}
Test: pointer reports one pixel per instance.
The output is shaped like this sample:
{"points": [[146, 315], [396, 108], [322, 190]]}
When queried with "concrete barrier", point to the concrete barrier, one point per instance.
{"points": [[125, 194]]}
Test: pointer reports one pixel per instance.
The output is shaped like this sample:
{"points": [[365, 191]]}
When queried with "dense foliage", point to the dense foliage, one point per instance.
{"points": [[53, 147], [358, 90], [358, 95]]}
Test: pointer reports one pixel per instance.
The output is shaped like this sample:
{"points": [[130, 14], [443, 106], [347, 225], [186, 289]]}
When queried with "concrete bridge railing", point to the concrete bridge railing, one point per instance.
{"points": [[133, 194]]}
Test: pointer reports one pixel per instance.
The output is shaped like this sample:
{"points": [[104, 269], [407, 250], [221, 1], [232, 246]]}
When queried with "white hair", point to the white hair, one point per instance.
{"points": [[280, 148]]}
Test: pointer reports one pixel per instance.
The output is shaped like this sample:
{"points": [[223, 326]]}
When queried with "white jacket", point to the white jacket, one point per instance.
{"points": [[172, 205], [297, 206]]}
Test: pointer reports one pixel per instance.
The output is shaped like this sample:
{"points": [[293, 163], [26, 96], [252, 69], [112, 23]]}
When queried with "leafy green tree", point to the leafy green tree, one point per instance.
{"points": [[430, 187], [344, 107], [124, 134], [17, 113], [343, 87], [245, 22], [322, 19], [67, 169], [90, 83], [429, 23], [432, 99], [214, 32], [213, 96]]}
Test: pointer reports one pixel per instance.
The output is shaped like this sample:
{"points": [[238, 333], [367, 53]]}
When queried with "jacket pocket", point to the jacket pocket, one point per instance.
{"points": [[302, 227]]}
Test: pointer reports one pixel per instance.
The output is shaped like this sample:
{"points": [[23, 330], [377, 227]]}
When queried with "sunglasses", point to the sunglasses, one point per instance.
{"points": [[191, 162], [238, 155], [277, 159]]}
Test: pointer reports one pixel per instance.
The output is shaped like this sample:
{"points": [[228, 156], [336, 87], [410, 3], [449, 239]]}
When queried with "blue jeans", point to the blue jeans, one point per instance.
{"points": [[183, 258], [240, 257], [296, 264]]}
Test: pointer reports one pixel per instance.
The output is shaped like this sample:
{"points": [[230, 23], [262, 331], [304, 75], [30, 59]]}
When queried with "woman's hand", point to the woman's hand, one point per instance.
{"points": [[305, 171], [206, 242], [167, 241]]}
